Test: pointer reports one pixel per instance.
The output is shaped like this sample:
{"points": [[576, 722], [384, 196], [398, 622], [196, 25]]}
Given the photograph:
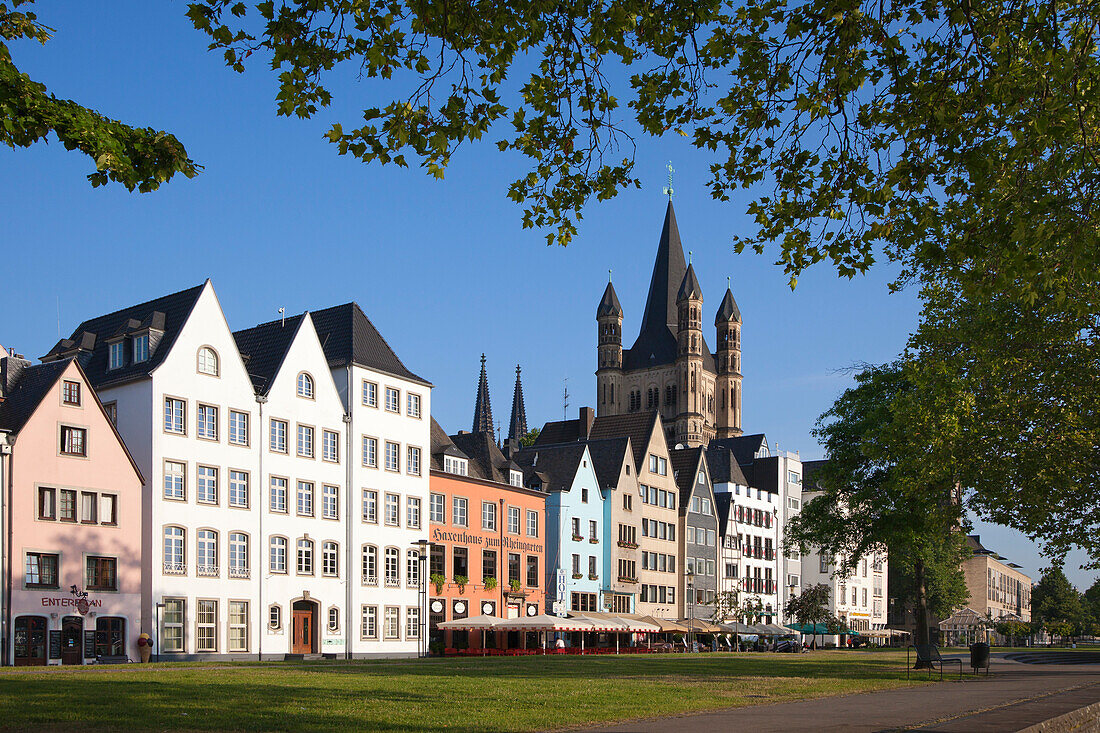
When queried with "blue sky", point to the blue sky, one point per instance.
{"points": [[443, 268]]}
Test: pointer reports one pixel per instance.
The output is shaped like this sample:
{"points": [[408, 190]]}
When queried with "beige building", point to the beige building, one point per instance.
{"points": [[998, 588]]}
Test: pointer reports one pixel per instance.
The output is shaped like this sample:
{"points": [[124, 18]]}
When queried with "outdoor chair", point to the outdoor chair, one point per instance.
{"points": [[929, 655]]}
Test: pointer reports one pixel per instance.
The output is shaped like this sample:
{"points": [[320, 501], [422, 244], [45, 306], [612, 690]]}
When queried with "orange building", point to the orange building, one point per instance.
{"points": [[487, 532]]}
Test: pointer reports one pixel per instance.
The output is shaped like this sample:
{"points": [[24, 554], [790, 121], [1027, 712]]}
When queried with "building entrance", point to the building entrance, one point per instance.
{"points": [[304, 628], [72, 640], [30, 641]]}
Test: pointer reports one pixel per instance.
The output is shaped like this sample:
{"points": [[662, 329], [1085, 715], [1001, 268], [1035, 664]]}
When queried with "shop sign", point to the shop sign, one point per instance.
{"points": [[77, 599]]}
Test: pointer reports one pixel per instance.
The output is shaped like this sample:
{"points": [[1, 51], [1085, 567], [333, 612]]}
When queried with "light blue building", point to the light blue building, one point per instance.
{"points": [[576, 561]]}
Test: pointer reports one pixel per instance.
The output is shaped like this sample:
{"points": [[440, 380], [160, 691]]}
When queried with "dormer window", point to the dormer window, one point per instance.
{"points": [[208, 361], [116, 355], [457, 466], [305, 386], [141, 348], [515, 478]]}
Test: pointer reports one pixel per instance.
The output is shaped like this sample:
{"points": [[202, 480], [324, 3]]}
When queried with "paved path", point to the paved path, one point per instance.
{"points": [[1013, 697]]}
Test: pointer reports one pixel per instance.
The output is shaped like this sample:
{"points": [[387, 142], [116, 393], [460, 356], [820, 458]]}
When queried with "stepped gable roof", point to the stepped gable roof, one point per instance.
{"points": [[517, 425], [348, 337], [559, 431], [685, 464], [689, 288], [555, 465], [608, 456], [486, 459], [33, 384], [264, 348], [638, 426], [609, 303], [744, 447], [727, 310], [442, 445], [723, 467], [167, 313]]}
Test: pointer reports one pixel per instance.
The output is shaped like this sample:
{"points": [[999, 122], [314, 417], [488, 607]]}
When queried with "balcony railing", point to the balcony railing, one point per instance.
{"points": [[174, 568], [207, 571], [370, 580], [393, 582], [238, 572]]}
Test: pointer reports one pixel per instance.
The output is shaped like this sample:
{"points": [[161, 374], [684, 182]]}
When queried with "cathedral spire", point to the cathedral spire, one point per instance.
{"points": [[668, 272], [483, 411], [517, 426]]}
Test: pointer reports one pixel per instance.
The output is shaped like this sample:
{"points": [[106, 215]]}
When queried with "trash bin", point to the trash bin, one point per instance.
{"points": [[979, 655]]}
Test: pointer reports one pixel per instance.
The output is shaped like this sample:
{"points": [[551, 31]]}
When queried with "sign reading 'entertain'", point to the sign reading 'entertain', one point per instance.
{"points": [[464, 538]]}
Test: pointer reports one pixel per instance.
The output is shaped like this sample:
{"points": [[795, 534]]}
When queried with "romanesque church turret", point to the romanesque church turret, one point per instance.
{"points": [[670, 368]]}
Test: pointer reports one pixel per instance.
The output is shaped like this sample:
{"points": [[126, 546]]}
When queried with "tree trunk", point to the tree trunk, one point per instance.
{"points": [[922, 631]]}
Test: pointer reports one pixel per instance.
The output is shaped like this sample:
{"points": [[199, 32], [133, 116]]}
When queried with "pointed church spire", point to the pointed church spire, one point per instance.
{"points": [[664, 284], [689, 287], [483, 411], [517, 426], [728, 310], [609, 304]]}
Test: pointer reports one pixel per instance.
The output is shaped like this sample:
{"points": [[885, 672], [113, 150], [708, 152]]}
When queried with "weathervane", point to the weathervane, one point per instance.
{"points": [[609, 274], [668, 189]]}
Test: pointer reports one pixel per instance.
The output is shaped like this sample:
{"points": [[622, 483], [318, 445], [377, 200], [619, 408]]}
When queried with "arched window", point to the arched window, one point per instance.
{"points": [[277, 559], [412, 568], [370, 565], [206, 552], [305, 557], [305, 386], [174, 549], [238, 555], [330, 559], [208, 361], [393, 567]]}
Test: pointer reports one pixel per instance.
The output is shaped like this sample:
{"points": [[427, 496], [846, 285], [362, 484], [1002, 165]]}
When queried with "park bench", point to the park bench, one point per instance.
{"points": [[928, 657]]}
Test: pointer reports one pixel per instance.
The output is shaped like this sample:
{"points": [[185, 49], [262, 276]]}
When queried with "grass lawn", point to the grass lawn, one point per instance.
{"points": [[493, 694]]}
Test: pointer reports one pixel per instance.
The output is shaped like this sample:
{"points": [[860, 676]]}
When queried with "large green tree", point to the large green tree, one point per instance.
{"points": [[1056, 604], [137, 157], [1092, 599], [887, 485]]}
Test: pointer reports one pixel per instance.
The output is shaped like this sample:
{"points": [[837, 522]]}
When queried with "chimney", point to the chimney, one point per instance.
{"points": [[588, 416], [11, 368]]}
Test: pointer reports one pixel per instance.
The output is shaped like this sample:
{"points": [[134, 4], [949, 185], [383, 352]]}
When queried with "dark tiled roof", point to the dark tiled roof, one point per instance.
{"points": [[722, 503], [723, 466], [167, 313], [690, 287], [560, 431], [744, 447], [555, 464], [264, 347], [442, 445], [486, 460], [638, 426], [32, 386], [685, 464], [348, 337], [728, 310], [607, 459], [609, 303]]}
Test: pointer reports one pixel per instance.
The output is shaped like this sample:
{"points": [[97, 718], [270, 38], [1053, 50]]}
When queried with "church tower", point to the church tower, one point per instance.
{"points": [[517, 426], [728, 360], [691, 419], [609, 372], [483, 410]]}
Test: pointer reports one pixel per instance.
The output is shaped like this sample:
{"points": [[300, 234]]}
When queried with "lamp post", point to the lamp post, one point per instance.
{"points": [[691, 608], [424, 547]]}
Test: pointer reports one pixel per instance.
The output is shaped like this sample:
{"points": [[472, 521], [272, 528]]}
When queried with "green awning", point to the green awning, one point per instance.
{"points": [[820, 630]]}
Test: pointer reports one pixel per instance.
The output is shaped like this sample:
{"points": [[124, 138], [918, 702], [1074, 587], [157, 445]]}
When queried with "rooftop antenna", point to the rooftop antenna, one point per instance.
{"points": [[668, 189], [565, 399], [282, 317]]}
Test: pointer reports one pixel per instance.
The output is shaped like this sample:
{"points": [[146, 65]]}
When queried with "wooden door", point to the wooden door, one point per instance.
{"points": [[72, 640], [302, 642], [30, 641]]}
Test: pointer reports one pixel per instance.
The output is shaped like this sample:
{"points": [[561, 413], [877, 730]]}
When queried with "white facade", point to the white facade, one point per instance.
{"points": [[751, 563], [789, 504]]}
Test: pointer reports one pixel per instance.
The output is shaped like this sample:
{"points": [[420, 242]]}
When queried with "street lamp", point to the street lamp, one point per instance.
{"points": [[422, 597], [691, 608]]}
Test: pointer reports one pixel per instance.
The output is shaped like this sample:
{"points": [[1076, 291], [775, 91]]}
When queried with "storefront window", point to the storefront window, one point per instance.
{"points": [[110, 636]]}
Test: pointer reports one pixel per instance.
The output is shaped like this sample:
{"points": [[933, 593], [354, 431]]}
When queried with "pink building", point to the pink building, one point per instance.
{"points": [[72, 516]]}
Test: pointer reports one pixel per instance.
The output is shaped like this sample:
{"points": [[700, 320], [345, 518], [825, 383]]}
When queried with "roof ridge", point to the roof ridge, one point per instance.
{"points": [[146, 303]]}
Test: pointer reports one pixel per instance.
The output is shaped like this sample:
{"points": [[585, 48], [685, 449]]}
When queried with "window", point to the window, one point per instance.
{"points": [[238, 488], [141, 348], [278, 436], [489, 516], [370, 565], [111, 408], [412, 622], [412, 464], [513, 567], [101, 573], [278, 494], [513, 520], [412, 568], [412, 513], [412, 404], [460, 562], [793, 478], [370, 506], [238, 555], [305, 557], [238, 626], [171, 622], [584, 496], [87, 507], [515, 478], [393, 400], [208, 361], [532, 571], [370, 452], [393, 456], [488, 564], [458, 512], [330, 501], [206, 625], [330, 441], [110, 636], [370, 394], [70, 393], [628, 502], [41, 570], [393, 567], [238, 427], [275, 617], [457, 466], [47, 503], [206, 485], [593, 530], [74, 441], [334, 619], [576, 566], [206, 553], [330, 559], [392, 627], [174, 551], [116, 355], [305, 499], [592, 566], [393, 510], [207, 420], [369, 626], [305, 386], [532, 523], [576, 522], [437, 504], [277, 555], [305, 441]]}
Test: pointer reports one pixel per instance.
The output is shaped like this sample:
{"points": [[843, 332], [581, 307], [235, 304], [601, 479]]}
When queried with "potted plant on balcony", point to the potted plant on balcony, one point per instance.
{"points": [[577, 576], [490, 583], [514, 585], [461, 581], [438, 581]]}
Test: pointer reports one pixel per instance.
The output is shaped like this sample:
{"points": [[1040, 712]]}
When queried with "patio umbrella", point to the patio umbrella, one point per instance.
{"points": [[699, 626], [474, 623], [666, 624], [543, 622], [736, 628]]}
